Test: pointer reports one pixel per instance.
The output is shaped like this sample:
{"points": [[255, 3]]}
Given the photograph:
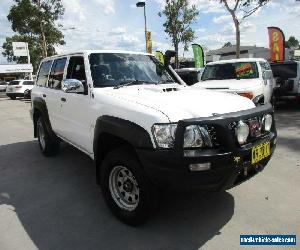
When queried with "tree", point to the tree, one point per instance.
{"points": [[35, 22], [246, 8], [292, 43], [179, 18], [228, 44]]}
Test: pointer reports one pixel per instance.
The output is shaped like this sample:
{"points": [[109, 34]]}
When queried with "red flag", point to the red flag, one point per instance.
{"points": [[276, 44]]}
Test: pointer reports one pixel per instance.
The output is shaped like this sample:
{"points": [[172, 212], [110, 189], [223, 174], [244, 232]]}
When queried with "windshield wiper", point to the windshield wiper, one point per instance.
{"points": [[165, 81], [133, 82]]}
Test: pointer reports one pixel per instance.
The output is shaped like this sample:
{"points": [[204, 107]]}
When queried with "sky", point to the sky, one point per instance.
{"points": [[119, 24]]}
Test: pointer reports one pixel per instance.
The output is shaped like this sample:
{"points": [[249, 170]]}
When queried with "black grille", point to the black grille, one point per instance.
{"points": [[213, 135]]}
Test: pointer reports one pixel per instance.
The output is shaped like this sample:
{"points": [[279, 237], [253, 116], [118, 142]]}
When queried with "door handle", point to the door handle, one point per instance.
{"points": [[44, 95], [63, 99]]}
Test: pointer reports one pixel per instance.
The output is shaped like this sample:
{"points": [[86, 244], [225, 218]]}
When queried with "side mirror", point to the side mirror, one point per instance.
{"points": [[168, 55], [72, 86], [267, 75]]}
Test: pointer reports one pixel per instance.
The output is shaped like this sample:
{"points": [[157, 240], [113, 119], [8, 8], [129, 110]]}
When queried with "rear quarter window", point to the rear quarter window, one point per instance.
{"points": [[43, 74]]}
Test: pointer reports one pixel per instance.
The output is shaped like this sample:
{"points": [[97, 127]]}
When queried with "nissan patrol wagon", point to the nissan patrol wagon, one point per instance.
{"points": [[145, 129]]}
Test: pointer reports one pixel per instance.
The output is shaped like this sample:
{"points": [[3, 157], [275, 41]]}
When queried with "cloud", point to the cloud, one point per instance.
{"points": [[108, 5], [222, 19]]}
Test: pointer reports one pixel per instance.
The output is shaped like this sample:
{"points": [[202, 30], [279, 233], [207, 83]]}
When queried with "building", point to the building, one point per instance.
{"points": [[9, 72], [246, 52]]}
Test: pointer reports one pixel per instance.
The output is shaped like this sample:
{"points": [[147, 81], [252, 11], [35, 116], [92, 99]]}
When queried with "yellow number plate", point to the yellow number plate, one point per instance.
{"points": [[260, 152]]}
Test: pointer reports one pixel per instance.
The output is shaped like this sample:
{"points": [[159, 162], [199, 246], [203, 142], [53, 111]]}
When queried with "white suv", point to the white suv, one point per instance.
{"points": [[19, 88], [248, 77], [145, 130]]}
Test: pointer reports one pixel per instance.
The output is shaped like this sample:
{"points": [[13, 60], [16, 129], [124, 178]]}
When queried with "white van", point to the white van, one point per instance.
{"points": [[248, 77]]}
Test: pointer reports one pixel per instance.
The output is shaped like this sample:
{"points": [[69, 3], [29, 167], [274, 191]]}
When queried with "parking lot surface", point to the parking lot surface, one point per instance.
{"points": [[54, 203]]}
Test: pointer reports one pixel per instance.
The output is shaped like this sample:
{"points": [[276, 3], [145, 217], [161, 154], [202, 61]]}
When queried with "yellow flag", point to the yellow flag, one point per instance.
{"points": [[149, 42]]}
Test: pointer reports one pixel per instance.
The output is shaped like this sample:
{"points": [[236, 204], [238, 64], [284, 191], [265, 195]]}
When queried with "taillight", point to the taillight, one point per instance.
{"points": [[249, 95]]}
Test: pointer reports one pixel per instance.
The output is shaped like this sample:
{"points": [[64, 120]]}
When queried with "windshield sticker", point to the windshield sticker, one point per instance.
{"points": [[244, 70]]}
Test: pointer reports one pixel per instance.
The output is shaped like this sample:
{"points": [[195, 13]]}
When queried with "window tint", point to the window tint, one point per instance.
{"points": [[222, 71], [28, 83], [43, 73], [57, 72], [76, 68], [14, 83]]}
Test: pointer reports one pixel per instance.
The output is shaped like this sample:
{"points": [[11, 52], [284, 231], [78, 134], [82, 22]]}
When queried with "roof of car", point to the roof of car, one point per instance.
{"points": [[238, 60], [88, 52]]}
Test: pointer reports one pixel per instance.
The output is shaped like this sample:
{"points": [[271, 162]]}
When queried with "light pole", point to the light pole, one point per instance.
{"points": [[143, 4]]}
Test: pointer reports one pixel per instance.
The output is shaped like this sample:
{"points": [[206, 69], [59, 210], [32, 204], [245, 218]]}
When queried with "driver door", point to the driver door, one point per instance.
{"points": [[76, 115]]}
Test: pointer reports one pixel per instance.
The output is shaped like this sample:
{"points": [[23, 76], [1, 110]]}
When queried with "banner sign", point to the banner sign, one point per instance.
{"points": [[276, 44], [198, 55], [149, 42], [15, 68], [20, 48], [160, 56]]}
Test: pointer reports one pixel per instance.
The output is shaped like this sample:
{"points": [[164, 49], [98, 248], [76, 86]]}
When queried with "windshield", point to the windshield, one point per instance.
{"points": [[113, 69], [285, 70], [226, 71]]}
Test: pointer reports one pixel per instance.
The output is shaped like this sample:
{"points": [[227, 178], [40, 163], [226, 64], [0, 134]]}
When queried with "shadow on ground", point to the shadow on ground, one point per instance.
{"points": [[60, 206]]}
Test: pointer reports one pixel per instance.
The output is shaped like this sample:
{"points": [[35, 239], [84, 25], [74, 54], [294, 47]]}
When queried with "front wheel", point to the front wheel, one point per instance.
{"points": [[48, 145], [127, 190]]}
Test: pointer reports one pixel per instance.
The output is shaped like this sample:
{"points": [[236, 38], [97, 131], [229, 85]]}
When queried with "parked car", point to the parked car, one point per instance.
{"points": [[287, 78], [3, 86], [190, 75], [144, 130], [19, 88], [248, 77]]}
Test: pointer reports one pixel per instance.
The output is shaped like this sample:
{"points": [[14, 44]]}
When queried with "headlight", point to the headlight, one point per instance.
{"points": [[196, 137], [192, 137], [242, 132], [164, 135], [267, 122]]}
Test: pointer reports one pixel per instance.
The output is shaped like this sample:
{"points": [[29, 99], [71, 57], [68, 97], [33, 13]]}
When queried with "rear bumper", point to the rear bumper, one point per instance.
{"points": [[16, 94]]}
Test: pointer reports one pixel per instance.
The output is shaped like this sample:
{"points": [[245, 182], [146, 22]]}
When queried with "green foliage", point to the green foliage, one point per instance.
{"points": [[179, 18], [292, 43], [35, 22], [228, 44]]}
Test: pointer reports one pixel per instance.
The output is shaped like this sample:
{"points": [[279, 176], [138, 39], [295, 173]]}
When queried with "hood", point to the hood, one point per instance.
{"points": [[179, 102], [230, 85]]}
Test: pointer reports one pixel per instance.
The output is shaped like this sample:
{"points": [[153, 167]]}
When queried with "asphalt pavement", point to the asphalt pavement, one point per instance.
{"points": [[54, 203]]}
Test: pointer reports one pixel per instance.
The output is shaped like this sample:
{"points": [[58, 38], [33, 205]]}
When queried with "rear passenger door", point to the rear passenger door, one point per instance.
{"points": [[76, 108], [54, 93]]}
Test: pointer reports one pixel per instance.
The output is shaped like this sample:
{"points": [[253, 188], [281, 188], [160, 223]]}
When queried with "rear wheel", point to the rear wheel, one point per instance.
{"points": [[12, 97], [127, 190], [48, 145]]}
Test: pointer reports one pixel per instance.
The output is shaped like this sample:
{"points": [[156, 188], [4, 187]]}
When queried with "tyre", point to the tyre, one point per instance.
{"points": [[127, 190], [12, 97], [49, 146], [27, 94], [273, 102]]}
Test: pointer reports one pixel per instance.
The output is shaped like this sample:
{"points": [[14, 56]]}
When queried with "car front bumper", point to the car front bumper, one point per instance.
{"points": [[230, 164]]}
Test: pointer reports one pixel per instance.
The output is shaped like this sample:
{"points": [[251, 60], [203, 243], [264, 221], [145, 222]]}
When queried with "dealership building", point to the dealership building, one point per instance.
{"points": [[229, 52], [9, 72]]}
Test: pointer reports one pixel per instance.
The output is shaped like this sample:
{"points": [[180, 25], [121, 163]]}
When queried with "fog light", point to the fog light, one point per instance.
{"points": [[200, 166], [267, 121]]}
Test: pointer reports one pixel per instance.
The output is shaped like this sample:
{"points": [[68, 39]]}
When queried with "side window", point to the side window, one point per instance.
{"points": [[57, 72], [43, 74], [28, 83], [265, 66], [76, 70]]}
